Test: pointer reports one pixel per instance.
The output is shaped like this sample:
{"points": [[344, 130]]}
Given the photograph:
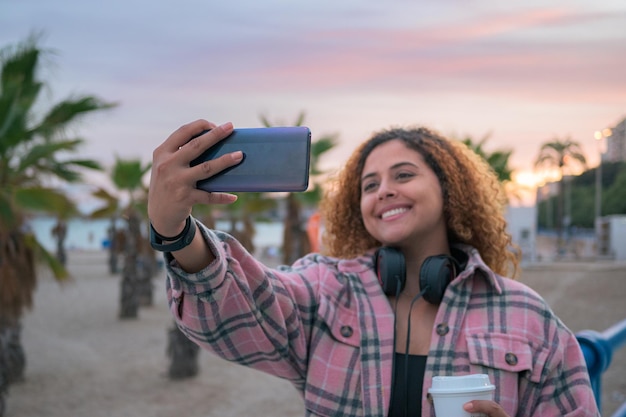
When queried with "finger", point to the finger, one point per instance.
{"points": [[203, 140], [490, 408], [213, 167], [182, 135], [203, 197]]}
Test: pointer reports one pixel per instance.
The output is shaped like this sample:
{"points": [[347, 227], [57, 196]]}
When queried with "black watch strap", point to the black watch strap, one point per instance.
{"points": [[177, 242]]}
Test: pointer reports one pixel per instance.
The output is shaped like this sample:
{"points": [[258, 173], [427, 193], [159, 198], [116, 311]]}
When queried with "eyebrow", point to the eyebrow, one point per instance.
{"points": [[394, 166]]}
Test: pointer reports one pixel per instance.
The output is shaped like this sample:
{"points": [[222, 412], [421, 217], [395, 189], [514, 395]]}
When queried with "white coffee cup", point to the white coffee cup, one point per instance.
{"points": [[449, 393]]}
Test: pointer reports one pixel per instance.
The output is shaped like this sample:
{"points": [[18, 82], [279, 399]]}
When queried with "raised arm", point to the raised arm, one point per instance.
{"points": [[173, 190]]}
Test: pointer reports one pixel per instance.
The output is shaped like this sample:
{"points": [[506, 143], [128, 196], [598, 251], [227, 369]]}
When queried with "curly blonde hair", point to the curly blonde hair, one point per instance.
{"points": [[474, 200]]}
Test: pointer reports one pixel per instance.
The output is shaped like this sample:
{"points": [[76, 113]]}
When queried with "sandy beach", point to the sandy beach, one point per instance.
{"points": [[84, 362]]}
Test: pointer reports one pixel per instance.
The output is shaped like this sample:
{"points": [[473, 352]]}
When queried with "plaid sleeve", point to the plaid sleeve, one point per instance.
{"points": [[245, 312]]}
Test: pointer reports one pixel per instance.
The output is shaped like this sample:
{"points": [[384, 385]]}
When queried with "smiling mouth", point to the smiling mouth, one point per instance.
{"points": [[394, 212]]}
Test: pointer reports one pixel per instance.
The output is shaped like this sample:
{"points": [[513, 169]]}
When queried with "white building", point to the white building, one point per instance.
{"points": [[616, 144], [612, 236], [522, 225]]}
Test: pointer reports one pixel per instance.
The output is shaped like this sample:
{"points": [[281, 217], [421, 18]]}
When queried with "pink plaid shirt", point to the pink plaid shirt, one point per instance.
{"points": [[325, 325]]}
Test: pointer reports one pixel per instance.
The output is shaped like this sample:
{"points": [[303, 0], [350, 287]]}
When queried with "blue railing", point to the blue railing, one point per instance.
{"points": [[598, 349]]}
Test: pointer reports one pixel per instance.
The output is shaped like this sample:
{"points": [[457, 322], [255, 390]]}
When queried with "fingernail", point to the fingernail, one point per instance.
{"points": [[237, 156], [469, 407], [227, 126]]}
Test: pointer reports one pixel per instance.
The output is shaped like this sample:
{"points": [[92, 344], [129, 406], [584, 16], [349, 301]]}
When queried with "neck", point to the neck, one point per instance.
{"points": [[409, 294]]}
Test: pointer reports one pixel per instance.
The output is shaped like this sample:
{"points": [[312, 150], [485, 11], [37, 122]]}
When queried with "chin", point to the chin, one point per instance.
{"points": [[396, 243]]}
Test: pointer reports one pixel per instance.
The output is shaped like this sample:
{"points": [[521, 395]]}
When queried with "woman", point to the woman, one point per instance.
{"points": [[338, 327]]}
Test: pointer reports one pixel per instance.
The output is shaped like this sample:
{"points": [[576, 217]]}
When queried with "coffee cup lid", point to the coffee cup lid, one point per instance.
{"points": [[459, 384]]}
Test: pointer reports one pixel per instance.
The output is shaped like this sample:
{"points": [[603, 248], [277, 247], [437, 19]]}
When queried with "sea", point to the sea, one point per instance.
{"points": [[91, 235]]}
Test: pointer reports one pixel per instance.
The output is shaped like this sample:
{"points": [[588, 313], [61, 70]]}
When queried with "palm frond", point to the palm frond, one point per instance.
{"points": [[84, 163], [46, 258], [559, 153], [46, 151], [44, 200], [103, 194], [300, 119], [318, 148], [30, 149], [128, 173], [62, 171], [19, 90], [265, 121], [105, 212], [110, 208], [69, 111]]}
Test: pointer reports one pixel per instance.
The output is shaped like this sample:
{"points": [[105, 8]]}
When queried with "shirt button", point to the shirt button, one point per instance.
{"points": [[511, 359], [346, 331], [442, 329]]}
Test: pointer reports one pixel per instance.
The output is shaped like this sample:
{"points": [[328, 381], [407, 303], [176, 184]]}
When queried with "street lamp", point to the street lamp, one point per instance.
{"points": [[599, 135]]}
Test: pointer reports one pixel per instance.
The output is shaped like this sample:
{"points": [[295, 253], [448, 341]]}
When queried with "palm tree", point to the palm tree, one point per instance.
{"points": [[296, 241], [498, 160], [183, 354], [560, 154], [33, 151], [139, 259], [247, 210], [110, 210]]}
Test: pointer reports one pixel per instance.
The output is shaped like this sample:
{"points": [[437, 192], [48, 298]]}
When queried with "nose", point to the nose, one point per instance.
{"points": [[385, 191]]}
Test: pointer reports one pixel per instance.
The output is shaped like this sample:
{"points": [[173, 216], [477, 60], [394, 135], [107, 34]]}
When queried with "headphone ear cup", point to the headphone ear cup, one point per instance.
{"points": [[391, 270], [435, 275]]}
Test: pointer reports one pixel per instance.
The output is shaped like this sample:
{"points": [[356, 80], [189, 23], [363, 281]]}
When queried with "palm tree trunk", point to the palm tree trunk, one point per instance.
{"points": [[113, 248], [12, 354], [17, 285], [12, 358], [183, 354], [560, 218], [4, 389], [145, 272], [243, 236], [248, 233], [129, 299], [295, 239]]}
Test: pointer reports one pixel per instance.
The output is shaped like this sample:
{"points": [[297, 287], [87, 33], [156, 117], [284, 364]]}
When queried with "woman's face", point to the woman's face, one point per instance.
{"points": [[401, 198]]}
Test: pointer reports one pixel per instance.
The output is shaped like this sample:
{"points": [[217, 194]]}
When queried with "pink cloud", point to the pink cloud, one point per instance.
{"points": [[477, 51], [489, 54]]}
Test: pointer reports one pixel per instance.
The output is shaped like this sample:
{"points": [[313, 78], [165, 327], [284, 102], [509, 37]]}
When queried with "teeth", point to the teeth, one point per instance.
{"points": [[393, 212]]}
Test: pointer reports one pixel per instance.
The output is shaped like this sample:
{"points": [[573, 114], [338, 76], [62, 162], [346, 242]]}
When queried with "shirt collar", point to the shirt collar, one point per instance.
{"points": [[477, 268]]}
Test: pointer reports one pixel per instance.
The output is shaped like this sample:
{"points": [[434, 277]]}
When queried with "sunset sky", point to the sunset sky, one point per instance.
{"points": [[521, 72]]}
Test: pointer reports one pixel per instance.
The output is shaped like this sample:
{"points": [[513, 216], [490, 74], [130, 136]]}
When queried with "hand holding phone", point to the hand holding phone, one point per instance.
{"points": [[275, 159]]}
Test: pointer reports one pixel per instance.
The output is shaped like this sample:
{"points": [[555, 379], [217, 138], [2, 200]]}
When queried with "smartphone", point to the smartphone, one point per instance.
{"points": [[275, 159]]}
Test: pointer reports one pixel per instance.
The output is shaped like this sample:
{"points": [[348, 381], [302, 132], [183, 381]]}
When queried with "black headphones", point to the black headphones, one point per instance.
{"points": [[435, 274]]}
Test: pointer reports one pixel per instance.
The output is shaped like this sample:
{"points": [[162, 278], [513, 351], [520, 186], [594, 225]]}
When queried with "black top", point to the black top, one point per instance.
{"points": [[406, 393]]}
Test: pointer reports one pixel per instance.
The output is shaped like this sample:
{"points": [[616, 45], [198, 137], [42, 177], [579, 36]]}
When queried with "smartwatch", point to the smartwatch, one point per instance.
{"points": [[178, 242]]}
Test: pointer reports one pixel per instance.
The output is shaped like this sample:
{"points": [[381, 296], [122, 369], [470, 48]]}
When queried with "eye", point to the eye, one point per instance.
{"points": [[404, 175], [369, 186]]}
